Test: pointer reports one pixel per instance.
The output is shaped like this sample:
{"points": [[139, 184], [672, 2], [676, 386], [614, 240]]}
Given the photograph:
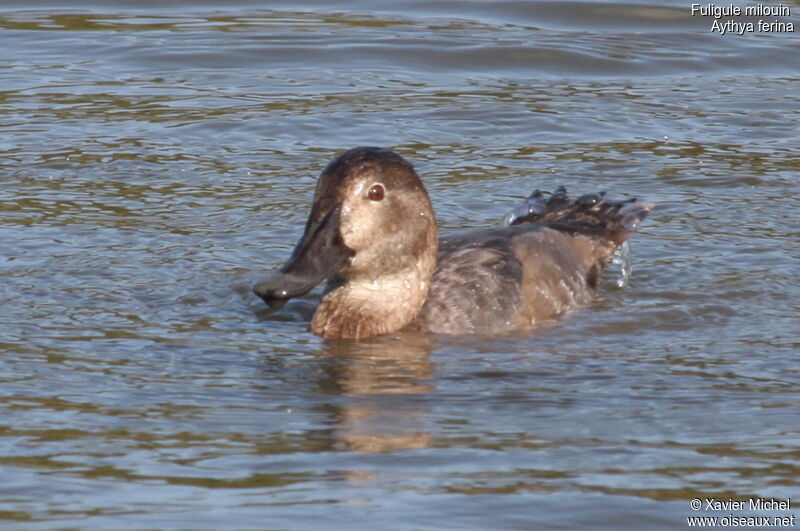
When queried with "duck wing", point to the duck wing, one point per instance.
{"points": [[548, 261], [476, 285]]}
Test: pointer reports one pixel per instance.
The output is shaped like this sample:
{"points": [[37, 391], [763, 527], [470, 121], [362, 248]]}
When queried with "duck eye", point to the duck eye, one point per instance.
{"points": [[376, 193]]}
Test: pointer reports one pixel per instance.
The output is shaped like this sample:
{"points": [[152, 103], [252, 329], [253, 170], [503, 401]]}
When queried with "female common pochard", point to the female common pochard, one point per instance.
{"points": [[372, 235]]}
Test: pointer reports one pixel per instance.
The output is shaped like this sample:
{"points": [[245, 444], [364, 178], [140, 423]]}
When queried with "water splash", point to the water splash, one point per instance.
{"points": [[623, 259], [534, 204]]}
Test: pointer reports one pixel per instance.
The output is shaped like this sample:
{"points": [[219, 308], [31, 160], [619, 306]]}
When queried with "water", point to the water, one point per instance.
{"points": [[624, 261], [158, 160]]}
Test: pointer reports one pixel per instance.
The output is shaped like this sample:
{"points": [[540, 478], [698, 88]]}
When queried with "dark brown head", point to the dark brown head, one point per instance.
{"points": [[371, 217]]}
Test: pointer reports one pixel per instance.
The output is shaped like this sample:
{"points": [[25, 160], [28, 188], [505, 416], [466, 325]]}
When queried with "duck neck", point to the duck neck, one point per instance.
{"points": [[363, 307]]}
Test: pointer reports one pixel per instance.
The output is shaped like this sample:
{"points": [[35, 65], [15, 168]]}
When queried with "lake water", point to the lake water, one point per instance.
{"points": [[158, 159]]}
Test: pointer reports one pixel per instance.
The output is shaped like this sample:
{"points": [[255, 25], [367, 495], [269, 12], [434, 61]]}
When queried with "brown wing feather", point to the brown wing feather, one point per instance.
{"points": [[548, 261], [475, 289]]}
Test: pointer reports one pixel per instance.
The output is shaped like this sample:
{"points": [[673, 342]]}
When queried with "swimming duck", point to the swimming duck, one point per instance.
{"points": [[372, 235]]}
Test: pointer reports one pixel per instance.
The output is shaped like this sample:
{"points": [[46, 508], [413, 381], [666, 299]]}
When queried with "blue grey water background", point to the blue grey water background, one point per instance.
{"points": [[158, 158]]}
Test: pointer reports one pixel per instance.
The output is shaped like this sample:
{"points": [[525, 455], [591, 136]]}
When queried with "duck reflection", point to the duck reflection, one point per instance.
{"points": [[388, 380]]}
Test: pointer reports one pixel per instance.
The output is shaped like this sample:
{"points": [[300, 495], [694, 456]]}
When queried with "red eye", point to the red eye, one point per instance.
{"points": [[376, 193]]}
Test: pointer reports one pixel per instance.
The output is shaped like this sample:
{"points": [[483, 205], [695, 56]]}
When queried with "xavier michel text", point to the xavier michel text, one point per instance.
{"points": [[740, 28], [752, 504]]}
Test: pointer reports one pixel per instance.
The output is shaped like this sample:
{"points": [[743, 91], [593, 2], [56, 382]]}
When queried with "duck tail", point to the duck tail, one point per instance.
{"points": [[591, 215]]}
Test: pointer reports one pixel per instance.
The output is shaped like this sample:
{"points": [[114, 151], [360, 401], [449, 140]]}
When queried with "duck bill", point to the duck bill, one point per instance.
{"points": [[319, 255]]}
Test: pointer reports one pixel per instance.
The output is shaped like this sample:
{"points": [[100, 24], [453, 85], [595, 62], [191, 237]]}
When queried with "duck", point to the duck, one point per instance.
{"points": [[372, 237]]}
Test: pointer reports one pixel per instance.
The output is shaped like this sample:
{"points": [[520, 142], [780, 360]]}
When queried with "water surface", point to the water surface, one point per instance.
{"points": [[159, 159]]}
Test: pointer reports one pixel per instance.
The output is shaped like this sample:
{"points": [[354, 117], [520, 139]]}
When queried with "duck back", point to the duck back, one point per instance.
{"points": [[546, 262]]}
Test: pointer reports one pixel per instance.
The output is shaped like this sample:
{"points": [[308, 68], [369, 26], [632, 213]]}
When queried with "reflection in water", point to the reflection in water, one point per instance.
{"points": [[389, 380]]}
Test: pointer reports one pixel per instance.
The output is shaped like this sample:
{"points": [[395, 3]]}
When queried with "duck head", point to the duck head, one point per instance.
{"points": [[372, 234]]}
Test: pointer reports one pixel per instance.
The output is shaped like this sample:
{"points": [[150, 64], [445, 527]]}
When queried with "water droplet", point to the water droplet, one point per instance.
{"points": [[622, 258], [534, 204]]}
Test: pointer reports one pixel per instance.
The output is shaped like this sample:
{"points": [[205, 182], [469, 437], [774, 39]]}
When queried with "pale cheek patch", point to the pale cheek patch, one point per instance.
{"points": [[356, 220], [358, 190], [352, 197]]}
